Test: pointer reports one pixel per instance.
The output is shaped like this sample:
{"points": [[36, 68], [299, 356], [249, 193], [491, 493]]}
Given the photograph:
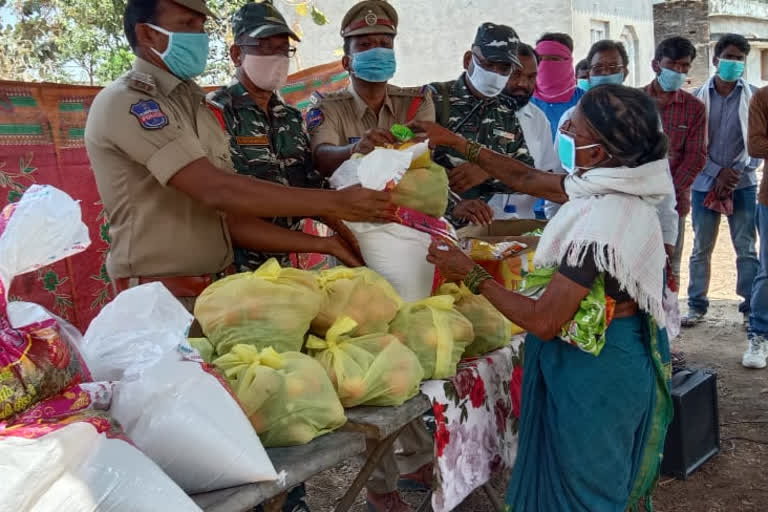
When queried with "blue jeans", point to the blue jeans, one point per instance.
{"points": [[706, 224], [758, 318]]}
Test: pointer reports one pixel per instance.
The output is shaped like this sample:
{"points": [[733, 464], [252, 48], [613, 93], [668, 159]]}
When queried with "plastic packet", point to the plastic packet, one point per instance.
{"points": [[374, 369]]}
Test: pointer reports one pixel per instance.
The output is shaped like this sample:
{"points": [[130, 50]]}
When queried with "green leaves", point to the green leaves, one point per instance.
{"points": [[83, 41]]}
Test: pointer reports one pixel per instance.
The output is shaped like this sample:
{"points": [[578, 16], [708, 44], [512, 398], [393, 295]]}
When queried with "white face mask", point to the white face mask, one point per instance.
{"points": [[267, 72], [486, 82]]}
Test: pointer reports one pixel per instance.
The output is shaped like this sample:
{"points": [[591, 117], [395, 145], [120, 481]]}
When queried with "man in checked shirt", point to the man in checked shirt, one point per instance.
{"points": [[684, 120]]}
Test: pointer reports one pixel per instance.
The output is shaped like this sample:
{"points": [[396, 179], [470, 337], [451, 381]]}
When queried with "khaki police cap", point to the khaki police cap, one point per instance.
{"points": [[197, 6], [369, 17]]}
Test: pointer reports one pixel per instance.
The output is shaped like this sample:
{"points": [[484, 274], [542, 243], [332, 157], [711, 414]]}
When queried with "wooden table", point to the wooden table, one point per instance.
{"points": [[381, 427], [299, 464], [371, 430]]}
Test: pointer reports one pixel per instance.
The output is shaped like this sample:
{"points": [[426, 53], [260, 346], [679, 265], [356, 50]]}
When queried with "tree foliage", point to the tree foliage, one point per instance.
{"points": [[82, 41]]}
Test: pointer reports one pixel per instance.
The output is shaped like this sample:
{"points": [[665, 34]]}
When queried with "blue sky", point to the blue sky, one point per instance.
{"points": [[6, 16]]}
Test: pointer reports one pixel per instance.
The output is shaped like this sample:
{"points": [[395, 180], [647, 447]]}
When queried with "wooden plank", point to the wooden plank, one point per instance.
{"points": [[380, 422], [299, 463]]}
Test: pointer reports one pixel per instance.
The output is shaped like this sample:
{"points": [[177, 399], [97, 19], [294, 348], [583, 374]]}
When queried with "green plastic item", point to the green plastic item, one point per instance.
{"points": [[587, 328], [402, 132]]}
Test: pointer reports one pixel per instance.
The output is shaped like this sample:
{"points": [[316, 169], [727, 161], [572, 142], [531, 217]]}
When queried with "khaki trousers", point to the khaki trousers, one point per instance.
{"points": [[413, 449]]}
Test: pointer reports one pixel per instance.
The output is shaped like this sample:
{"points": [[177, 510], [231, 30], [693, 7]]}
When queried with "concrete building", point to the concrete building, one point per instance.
{"points": [[704, 21], [434, 34]]}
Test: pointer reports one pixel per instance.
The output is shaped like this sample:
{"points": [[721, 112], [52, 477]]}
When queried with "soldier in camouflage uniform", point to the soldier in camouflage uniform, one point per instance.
{"points": [[267, 137], [474, 107]]}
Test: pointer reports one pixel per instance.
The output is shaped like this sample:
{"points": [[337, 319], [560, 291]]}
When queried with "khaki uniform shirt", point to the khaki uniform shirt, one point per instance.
{"points": [[343, 118], [142, 129]]}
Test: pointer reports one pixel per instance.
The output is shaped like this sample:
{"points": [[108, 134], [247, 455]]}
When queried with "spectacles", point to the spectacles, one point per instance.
{"points": [[611, 69], [266, 50]]}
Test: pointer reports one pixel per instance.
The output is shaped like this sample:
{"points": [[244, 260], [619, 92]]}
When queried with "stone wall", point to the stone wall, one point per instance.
{"points": [[687, 18]]}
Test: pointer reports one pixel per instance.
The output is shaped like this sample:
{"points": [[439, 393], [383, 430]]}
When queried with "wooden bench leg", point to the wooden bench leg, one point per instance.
{"points": [[498, 506], [379, 449]]}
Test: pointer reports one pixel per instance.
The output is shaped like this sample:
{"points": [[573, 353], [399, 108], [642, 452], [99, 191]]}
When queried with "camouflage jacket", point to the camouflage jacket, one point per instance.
{"points": [[273, 148], [491, 122]]}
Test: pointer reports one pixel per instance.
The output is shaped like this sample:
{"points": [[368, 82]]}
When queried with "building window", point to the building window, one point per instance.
{"points": [[598, 31], [764, 65]]}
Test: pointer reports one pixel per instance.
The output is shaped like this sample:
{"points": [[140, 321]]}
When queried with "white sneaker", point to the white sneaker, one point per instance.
{"points": [[757, 352]]}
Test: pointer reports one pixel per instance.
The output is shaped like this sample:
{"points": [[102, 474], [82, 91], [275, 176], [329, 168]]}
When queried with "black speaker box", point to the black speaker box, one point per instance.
{"points": [[694, 435]]}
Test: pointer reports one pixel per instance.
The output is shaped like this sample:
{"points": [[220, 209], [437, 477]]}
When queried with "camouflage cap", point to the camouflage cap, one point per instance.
{"points": [[369, 17], [260, 20], [196, 5], [497, 43]]}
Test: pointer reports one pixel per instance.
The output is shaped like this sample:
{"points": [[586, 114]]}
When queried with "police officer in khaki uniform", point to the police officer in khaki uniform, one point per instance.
{"points": [[355, 121], [163, 168], [359, 118]]}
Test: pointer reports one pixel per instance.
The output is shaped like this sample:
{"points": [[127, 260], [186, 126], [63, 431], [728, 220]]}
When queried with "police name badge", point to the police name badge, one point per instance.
{"points": [[149, 114], [254, 140]]}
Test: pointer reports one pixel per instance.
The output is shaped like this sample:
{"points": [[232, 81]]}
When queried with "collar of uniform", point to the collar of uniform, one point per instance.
{"points": [[241, 98], [361, 106], [166, 81]]}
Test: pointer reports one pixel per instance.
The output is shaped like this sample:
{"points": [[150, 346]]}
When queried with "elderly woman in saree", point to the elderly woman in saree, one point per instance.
{"points": [[593, 424]]}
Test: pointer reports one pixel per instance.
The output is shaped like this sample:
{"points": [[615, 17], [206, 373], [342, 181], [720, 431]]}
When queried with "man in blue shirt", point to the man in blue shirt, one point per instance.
{"points": [[556, 87], [728, 178]]}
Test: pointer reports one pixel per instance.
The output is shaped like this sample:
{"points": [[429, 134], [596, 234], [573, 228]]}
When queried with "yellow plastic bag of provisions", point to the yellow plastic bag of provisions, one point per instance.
{"points": [[424, 189], [492, 329], [271, 307], [375, 369], [359, 293], [288, 397], [436, 332]]}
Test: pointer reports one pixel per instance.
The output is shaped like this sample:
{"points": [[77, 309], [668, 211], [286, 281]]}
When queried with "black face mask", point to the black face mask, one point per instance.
{"points": [[518, 101]]}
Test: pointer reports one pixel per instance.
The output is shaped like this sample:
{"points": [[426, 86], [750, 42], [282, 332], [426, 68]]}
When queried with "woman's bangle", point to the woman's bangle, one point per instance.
{"points": [[475, 278], [472, 151]]}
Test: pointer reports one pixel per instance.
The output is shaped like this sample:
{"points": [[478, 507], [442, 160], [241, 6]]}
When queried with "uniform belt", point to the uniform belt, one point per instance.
{"points": [[179, 286]]}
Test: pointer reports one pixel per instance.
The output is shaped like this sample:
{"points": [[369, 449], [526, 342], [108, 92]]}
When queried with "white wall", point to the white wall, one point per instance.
{"points": [[748, 18], [433, 34], [621, 16]]}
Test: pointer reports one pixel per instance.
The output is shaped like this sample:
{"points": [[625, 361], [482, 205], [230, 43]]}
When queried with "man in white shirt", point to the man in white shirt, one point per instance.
{"points": [[536, 131]]}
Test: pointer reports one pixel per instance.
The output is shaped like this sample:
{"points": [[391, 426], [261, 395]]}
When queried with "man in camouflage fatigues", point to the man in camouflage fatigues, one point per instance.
{"points": [[474, 107], [267, 137]]}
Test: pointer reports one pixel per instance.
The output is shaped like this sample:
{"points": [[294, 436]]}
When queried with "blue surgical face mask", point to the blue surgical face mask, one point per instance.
{"points": [[614, 79], [730, 70], [566, 150], [584, 84], [186, 54], [671, 80], [374, 65]]}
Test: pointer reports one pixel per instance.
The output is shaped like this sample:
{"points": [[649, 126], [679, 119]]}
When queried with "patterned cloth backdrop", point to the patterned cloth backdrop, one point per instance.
{"points": [[41, 141]]}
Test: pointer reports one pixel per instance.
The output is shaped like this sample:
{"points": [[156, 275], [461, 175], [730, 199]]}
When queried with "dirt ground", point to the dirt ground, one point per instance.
{"points": [[734, 481]]}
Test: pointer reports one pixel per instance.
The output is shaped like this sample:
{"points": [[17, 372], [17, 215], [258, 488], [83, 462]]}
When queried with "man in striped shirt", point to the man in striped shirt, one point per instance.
{"points": [[684, 121]]}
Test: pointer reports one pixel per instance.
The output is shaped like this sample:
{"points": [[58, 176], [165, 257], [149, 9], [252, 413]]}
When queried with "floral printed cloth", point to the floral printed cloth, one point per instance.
{"points": [[476, 418]]}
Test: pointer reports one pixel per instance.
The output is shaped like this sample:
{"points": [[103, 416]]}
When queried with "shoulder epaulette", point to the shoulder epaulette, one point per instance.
{"points": [[408, 91], [332, 96], [142, 82]]}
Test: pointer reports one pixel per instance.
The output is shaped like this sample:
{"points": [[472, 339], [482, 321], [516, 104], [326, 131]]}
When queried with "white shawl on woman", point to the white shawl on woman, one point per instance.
{"points": [[614, 211]]}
